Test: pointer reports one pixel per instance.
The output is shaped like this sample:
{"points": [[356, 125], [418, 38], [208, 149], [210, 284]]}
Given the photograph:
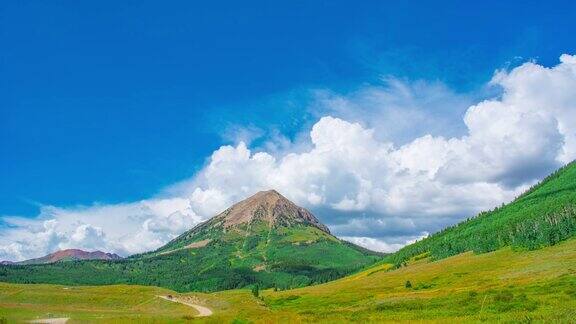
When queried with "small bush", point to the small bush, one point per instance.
{"points": [[424, 285], [504, 296], [256, 291], [284, 300], [239, 321], [408, 284]]}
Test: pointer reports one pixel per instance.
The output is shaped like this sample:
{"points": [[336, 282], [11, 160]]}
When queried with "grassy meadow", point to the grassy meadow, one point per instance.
{"points": [[20, 302], [505, 285]]}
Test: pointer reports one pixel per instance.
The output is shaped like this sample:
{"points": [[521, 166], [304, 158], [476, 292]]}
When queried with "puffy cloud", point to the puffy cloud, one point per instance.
{"points": [[353, 173], [87, 236], [122, 228], [376, 244]]}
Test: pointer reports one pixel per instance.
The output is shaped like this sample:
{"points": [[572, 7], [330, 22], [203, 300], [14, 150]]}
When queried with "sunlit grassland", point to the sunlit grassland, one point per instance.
{"points": [[20, 302], [504, 285], [501, 285]]}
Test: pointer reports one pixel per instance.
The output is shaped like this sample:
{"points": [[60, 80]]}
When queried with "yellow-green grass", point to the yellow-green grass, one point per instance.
{"points": [[501, 285], [504, 285], [120, 303]]}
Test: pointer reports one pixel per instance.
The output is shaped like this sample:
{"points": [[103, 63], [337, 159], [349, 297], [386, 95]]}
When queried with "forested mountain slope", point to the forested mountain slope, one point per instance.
{"points": [[542, 216]]}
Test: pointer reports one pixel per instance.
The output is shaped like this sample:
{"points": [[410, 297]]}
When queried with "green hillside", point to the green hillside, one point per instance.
{"points": [[264, 240], [504, 286], [542, 216]]}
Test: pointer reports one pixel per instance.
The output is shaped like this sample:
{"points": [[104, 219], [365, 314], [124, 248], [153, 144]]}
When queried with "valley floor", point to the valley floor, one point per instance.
{"points": [[504, 285]]}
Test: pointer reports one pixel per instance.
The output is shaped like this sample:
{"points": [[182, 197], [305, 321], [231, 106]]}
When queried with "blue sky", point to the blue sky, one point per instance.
{"points": [[110, 102]]}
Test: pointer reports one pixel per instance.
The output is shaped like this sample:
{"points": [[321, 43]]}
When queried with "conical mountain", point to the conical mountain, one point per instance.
{"points": [[265, 211], [271, 207], [265, 240]]}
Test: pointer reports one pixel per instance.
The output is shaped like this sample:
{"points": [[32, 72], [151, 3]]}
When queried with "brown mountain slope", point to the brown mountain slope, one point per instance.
{"points": [[72, 255], [264, 212], [270, 207]]}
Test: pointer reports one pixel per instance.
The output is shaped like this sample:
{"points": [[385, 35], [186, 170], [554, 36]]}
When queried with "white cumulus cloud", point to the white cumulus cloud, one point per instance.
{"points": [[369, 188]]}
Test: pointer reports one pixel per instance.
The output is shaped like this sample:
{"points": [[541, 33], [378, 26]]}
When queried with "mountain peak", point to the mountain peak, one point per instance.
{"points": [[266, 197], [268, 192], [269, 206]]}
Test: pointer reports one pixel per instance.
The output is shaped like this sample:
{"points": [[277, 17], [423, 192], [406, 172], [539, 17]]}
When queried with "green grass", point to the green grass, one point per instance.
{"points": [[505, 286], [119, 303]]}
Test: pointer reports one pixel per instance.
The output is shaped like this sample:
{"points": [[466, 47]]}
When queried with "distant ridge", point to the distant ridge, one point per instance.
{"points": [[70, 255]]}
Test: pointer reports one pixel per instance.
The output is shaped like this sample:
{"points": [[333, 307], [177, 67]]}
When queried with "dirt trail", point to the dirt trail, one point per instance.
{"points": [[202, 311], [61, 320]]}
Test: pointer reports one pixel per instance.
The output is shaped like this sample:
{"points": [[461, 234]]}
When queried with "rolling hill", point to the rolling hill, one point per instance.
{"points": [[265, 240]]}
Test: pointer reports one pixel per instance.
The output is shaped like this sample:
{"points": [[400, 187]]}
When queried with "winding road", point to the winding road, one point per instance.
{"points": [[202, 311]]}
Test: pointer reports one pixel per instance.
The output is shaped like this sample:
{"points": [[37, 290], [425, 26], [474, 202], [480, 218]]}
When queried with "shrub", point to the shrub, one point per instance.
{"points": [[256, 291]]}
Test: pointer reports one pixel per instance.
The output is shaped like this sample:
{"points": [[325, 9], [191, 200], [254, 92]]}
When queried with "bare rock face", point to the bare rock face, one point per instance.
{"points": [[271, 207]]}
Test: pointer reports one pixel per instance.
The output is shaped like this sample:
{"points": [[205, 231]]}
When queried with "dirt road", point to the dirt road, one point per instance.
{"points": [[202, 311], [61, 320]]}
